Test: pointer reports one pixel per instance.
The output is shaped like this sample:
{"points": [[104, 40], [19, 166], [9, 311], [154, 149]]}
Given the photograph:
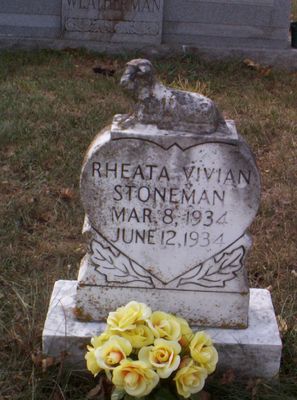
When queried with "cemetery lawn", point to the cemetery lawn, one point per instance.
{"points": [[51, 105], [294, 10]]}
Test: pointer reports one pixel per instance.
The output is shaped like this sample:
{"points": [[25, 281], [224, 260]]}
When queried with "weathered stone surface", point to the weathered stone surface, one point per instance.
{"points": [[269, 13], [113, 20], [263, 24], [118, 25], [251, 352], [30, 19], [169, 192], [27, 25], [167, 214], [33, 7], [224, 42], [225, 307]]}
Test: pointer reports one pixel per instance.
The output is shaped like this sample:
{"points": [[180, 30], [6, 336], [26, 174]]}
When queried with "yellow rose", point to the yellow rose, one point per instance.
{"points": [[164, 326], [98, 341], [186, 332], [140, 336], [163, 356], [126, 317], [203, 351], [135, 377], [190, 378], [92, 364], [90, 357], [112, 352]]}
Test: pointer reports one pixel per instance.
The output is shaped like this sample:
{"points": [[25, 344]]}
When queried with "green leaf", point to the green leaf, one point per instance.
{"points": [[128, 397], [117, 394], [163, 393], [203, 395]]}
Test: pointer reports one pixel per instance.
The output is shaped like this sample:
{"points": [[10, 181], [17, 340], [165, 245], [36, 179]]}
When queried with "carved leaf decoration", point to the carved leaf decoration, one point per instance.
{"points": [[215, 272], [116, 267]]}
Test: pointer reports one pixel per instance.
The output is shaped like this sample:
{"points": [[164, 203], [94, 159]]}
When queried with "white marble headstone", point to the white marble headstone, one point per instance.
{"points": [[167, 214], [169, 192]]}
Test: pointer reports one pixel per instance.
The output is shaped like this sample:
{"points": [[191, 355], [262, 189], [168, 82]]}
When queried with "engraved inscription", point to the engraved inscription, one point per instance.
{"points": [[187, 211], [170, 210], [101, 26], [122, 20]]}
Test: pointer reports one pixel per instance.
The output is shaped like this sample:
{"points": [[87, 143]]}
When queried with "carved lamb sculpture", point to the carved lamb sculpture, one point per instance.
{"points": [[167, 108]]}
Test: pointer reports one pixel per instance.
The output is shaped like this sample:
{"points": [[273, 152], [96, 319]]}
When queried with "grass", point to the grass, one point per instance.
{"points": [[294, 10], [51, 106]]}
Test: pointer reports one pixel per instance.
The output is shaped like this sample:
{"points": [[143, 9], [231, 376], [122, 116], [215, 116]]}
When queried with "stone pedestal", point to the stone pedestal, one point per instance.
{"points": [[251, 352]]}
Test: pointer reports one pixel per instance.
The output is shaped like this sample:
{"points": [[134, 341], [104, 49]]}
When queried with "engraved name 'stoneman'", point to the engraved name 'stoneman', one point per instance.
{"points": [[147, 196]]}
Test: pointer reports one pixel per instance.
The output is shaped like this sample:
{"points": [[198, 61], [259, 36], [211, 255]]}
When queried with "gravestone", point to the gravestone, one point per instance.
{"points": [[222, 28], [169, 193], [167, 210], [113, 20]]}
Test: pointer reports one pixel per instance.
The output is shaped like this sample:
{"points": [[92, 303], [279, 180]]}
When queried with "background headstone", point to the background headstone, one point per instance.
{"points": [[227, 23], [130, 24]]}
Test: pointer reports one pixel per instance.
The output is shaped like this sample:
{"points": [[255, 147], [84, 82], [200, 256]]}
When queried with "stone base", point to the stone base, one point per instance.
{"points": [[284, 59], [251, 352], [226, 310]]}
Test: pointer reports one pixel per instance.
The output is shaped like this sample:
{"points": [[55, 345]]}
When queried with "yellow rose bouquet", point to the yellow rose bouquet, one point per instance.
{"points": [[151, 354]]}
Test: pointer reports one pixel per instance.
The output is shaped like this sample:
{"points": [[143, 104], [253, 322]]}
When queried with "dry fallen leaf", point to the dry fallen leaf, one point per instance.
{"points": [[252, 386], [10, 153], [204, 395], [57, 395], [294, 273], [282, 325], [37, 357], [48, 362], [67, 194], [93, 392], [44, 362], [250, 63], [264, 71]]}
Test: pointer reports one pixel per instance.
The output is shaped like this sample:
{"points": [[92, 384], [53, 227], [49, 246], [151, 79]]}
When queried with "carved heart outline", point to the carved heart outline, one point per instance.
{"points": [[157, 279]]}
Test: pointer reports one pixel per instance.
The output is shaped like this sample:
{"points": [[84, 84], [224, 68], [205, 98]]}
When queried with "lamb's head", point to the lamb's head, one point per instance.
{"points": [[139, 73]]}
